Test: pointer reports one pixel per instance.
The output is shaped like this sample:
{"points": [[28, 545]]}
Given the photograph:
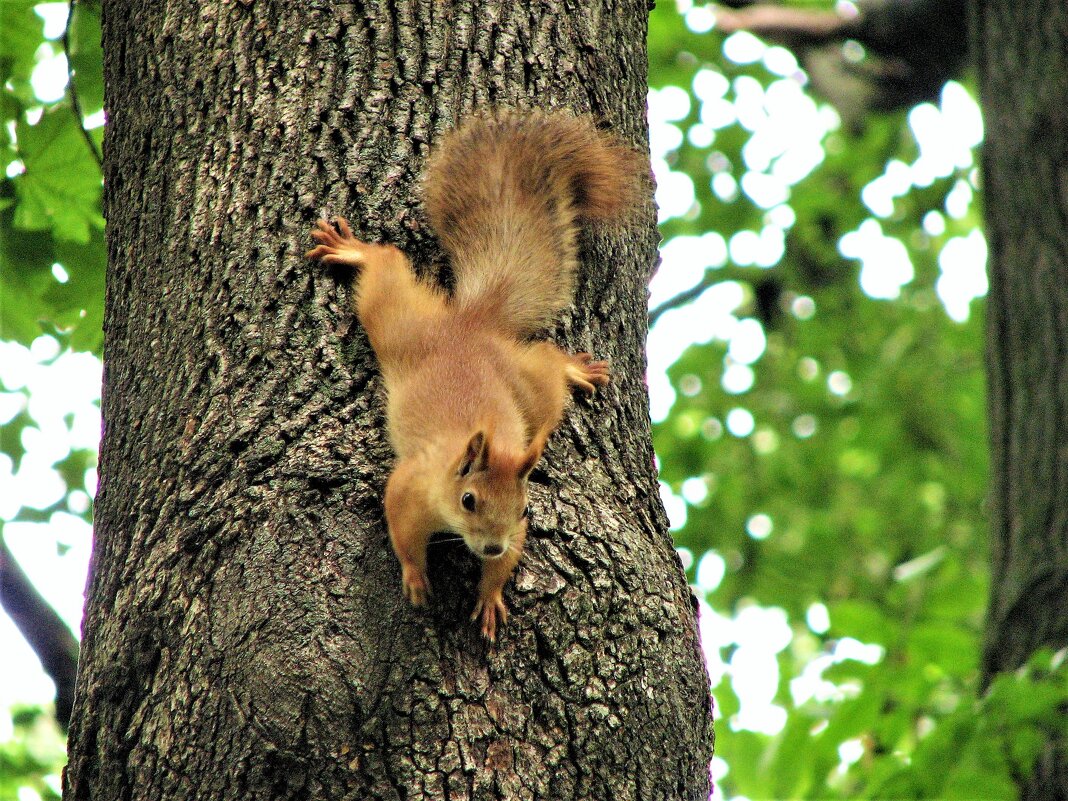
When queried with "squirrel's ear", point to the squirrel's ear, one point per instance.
{"points": [[476, 454], [531, 457]]}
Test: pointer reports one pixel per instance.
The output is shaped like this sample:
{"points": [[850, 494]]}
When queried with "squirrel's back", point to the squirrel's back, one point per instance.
{"points": [[505, 193]]}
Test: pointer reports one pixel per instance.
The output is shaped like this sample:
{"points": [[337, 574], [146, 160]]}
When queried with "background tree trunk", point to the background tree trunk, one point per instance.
{"points": [[1022, 61], [245, 634]]}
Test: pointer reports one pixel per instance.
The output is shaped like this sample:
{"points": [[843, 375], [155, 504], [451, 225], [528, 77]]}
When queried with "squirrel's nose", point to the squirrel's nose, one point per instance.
{"points": [[492, 550]]}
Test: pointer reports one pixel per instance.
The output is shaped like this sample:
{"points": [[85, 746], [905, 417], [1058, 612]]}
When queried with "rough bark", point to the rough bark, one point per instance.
{"points": [[245, 634], [1022, 63]]}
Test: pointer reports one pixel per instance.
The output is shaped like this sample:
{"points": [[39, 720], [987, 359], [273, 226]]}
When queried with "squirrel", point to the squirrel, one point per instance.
{"points": [[471, 399]]}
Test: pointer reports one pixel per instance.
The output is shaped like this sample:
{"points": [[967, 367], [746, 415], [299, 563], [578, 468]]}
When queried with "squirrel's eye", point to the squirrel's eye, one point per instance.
{"points": [[468, 501], [526, 513]]}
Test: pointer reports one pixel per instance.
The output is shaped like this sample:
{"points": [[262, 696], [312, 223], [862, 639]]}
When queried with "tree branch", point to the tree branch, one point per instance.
{"points": [[676, 301], [912, 48], [713, 276], [43, 629], [788, 25]]}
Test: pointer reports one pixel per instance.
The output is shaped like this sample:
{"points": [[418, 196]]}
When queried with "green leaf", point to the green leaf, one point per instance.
{"points": [[21, 33], [25, 275], [1019, 701], [862, 620], [10, 110], [979, 771], [792, 757], [32, 301], [72, 469], [1026, 743], [11, 436], [86, 58], [79, 303], [855, 717], [20, 318], [60, 190], [952, 647]]}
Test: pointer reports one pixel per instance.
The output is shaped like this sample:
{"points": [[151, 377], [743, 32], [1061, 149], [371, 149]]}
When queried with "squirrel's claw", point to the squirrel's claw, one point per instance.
{"points": [[586, 373], [414, 585], [489, 610], [335, 247]]}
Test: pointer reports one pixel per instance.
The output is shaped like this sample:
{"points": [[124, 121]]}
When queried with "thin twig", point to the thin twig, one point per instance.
{"points": [[76, 107], [717, 275], [683, 298]]}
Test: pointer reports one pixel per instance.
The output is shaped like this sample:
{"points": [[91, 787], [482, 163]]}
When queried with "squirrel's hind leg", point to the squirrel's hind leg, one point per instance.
{"points": [[338, 248], [548, 371], [583, 371]]}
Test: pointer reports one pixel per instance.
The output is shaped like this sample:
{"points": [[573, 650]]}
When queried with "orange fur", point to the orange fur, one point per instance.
{"points": [[504, 193], [471, 402]]}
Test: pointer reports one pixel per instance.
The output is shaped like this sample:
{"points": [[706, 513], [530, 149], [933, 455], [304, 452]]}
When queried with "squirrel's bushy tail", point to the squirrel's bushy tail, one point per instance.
{"points": [[505, 192]]}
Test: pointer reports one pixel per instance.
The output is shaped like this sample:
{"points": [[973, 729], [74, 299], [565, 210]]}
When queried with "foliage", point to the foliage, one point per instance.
{"points": [[50, 195], [983, 746], [33, 757], [847, 495], [52, 253], [52, 261]]}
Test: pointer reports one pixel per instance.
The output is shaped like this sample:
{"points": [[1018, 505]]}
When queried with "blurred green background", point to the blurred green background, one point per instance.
{"points": [[816, 380]]}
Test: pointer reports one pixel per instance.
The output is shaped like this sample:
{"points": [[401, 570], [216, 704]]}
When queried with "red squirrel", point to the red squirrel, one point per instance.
{"points": [[471, 399]]}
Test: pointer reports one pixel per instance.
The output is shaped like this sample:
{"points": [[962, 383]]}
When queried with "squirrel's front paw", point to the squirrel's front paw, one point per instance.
{"points": [[337, 248], [490, 608], [414, 585]]}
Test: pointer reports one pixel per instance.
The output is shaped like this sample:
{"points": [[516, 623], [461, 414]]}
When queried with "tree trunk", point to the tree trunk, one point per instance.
{"points": [[1022, 63], [245, 633]]}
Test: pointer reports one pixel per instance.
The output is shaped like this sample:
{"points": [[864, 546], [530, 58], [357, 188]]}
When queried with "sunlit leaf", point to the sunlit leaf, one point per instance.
{"points": [[21, 32], [85, 57], [60, 190]]}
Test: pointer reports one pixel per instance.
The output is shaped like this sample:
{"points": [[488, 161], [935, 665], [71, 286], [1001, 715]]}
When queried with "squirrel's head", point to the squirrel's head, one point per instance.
{"points": [[488, 507]]}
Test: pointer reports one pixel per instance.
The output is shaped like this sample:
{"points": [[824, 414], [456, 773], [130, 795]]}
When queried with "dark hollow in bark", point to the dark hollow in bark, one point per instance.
{"points": [[245, 634]]}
